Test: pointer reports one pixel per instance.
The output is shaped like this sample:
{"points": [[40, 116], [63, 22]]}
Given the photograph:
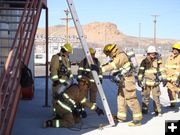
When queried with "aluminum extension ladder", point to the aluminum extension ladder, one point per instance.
{"points": [[90, 60]]}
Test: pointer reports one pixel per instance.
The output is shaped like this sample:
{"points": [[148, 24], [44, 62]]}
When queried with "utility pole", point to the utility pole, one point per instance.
{"points": [[67, 21], [155, 16], [139, 37]]}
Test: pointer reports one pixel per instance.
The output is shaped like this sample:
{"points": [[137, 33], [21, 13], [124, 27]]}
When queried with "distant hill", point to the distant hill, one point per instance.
{"points": [[101, 33]]}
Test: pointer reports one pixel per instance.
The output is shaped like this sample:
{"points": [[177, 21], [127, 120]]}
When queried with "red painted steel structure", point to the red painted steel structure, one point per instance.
{"points": [[20, 51]]}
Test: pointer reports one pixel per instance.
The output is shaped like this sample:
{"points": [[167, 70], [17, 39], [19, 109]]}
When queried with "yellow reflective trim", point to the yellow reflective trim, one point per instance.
{"points": [[137, 115], [83, 100], [60, 58], [140, 76], [91, 80], [54, 77], [171, 66], [173, 101], [103, 70], [126, 65], [93, 106], [161, 70], [79, 76], [130, 53], [113, 65], [80, 68], [87, 69], [141, 68], [54, 109], [65, 95], [174, 78], [72, 101], [163, 76], [64, 106], [121, 114], [57, 123], [151, 83], [71, 75], [69, 68], [62, 80], [150, 71]]}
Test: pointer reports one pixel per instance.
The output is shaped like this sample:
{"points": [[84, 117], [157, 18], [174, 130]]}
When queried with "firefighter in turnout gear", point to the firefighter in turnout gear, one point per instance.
{"points": [[60, 72], [127, 89], [70, 106], [173, 74], [84, 70], [150, 74]]}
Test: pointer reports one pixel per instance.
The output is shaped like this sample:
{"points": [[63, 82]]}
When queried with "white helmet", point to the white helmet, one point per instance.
{"points": [[151, 49]]}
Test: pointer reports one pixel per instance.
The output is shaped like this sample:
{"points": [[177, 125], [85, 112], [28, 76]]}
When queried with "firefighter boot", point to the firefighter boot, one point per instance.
{"points": [[116, 119], [134, 123]]}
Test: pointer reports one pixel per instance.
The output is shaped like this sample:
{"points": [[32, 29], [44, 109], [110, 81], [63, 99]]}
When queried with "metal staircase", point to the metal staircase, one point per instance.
{"points": [[18, 24]]}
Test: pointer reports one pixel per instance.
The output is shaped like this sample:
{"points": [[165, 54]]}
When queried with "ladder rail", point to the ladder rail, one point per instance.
{"points": [[90, 60]]}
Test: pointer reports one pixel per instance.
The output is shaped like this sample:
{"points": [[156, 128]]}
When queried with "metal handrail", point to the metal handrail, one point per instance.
{"points": [[23, 51]]}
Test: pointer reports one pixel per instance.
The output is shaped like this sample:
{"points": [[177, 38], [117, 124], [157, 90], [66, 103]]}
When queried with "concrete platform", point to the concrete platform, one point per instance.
{"points": [[32, 113]]}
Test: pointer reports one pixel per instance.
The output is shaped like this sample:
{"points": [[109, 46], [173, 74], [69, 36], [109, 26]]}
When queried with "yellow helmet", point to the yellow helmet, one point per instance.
{"points": [[108, 48], [92, 51], [176, 46], [68, 47]]}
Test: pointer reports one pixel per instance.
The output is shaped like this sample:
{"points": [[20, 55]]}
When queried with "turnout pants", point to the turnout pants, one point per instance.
{"points": [[146, 98], [172, 92], [127, 97], [93, 92]]}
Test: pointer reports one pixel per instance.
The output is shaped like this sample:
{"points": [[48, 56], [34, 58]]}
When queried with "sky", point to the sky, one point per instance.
{"points": [[132, 17]]}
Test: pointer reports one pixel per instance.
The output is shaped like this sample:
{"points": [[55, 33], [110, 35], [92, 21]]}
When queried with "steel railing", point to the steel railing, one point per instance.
{"points": [[20, 52]]}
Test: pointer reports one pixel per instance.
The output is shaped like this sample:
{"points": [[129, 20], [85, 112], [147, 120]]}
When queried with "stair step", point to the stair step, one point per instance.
{"points": [[10, 8], [10, 38], [1, 21], [12, 30], [11, 15]]}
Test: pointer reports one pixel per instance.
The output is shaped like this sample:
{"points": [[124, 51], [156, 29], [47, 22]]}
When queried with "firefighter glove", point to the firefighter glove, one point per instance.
{"points": [[76, 112], [95, 68], [99, 111], [55, 83]]}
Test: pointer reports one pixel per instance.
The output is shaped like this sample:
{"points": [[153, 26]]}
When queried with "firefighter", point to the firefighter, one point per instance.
{"points": [[71, 104], [150, 74], [60, 72], [84, 70], [173, 74], [127, 89]]}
